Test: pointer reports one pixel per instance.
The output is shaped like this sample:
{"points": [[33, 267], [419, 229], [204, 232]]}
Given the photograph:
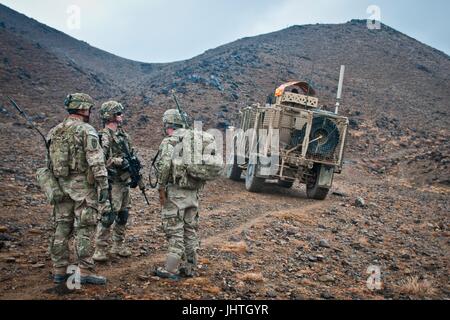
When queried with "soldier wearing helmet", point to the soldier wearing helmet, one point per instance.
{"points": [[179, 205], [77, 162], [113, 139]]}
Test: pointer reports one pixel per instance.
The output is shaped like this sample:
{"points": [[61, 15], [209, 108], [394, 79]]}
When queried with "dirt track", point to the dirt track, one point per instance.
{"points": [[263, 246]]}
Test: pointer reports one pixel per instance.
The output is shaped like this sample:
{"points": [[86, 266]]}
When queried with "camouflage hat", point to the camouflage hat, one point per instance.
{"points": [[173, 116], [110, 109], [78, 101]]}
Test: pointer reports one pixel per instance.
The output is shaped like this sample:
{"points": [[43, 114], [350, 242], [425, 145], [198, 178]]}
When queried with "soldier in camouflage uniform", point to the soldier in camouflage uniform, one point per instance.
{"points": [[179, 212], [112, 138], [77, 161]]}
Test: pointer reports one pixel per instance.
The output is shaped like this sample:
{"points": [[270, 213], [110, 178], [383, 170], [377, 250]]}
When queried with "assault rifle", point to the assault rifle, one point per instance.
{"points": [[30, 121], [134, 168]]}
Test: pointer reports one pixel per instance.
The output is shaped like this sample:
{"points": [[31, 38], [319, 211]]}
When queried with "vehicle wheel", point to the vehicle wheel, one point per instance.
{"points": [[285, 184], [252, 182], [313, 191], [233, 171]]}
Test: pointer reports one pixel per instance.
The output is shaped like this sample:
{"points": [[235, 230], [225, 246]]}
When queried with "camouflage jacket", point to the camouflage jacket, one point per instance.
{"points": [[111, 142], [80, 153]]}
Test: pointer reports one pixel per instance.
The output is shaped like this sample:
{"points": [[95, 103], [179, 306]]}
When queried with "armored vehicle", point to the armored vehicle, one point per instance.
{"points": [[297, 139]]}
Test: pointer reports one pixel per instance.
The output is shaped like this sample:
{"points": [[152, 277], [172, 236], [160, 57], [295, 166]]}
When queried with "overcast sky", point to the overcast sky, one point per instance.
{"points": [[165, 31]]}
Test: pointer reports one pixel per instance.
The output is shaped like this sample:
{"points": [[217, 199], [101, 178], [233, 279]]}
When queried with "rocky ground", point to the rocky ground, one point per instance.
{"points": [[273, 245]]}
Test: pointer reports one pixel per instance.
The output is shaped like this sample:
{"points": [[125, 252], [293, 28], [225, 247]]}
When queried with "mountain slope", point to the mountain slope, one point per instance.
{"points": [[122, 71], [397, 90]]}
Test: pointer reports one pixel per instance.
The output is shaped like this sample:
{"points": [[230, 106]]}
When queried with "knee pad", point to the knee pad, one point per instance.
{"points": [[108, 219], [122, 218]]}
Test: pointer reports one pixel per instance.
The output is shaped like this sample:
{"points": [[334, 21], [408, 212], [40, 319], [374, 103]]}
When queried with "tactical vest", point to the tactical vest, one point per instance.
{"points": [[115, 151]]}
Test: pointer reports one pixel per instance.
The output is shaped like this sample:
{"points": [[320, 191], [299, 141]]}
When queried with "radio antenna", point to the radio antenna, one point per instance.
{"points": [[339, 92]]}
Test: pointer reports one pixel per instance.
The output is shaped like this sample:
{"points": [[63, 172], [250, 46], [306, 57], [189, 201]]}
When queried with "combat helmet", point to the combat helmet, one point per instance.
{"points": [[110, 109], [79, 101], [173, 118]]}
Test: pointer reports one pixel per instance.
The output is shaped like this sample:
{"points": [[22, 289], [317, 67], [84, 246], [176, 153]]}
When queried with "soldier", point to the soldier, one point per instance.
{"points": [[179, 212], [77, 162], [112, 138]]}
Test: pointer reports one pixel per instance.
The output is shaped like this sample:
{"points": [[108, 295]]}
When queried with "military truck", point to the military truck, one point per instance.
{"points": [[311, 142]]}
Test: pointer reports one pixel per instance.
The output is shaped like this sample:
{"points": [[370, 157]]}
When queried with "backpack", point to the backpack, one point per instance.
{"points": [[60, 152], [49, 184], [197, 158]]}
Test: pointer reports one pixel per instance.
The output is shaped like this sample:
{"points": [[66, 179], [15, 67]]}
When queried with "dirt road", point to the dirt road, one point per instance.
{"points": [[273, 245]]}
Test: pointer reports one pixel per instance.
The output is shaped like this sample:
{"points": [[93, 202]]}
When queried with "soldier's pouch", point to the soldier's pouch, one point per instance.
{"points": [[49, 184], [89, 217]]}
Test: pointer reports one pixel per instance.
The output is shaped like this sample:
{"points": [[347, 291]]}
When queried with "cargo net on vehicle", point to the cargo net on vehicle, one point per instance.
{"points": [[325, 140]]}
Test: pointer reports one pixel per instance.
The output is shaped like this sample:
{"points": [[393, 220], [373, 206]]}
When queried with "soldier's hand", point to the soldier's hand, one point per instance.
{"points": [[162, 197], [106, 208], [103, 196], [125, 164], [108, 217]]}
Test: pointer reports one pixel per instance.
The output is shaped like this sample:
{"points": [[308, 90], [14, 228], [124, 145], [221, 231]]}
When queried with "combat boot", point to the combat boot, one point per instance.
{"points": [[100, 255], [170, 271], [187, 271], [189, 266], [120, 250], [60, 276]]}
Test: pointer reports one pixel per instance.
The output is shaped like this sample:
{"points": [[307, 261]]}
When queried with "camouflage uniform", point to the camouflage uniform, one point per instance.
{"points": [[180, 215], [119, 179], [80, 181]]}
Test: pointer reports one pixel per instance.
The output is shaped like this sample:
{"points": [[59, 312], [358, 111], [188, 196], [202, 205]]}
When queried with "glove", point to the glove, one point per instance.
{"points": [[162, 197], [108, 218], [114, 162], [125, 164], [103, 196]]}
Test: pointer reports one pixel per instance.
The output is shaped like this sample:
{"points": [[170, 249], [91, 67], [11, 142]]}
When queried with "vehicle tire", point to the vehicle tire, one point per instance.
{"points": [[313, 191], [233, 171], [252, 182], [285, 184]]}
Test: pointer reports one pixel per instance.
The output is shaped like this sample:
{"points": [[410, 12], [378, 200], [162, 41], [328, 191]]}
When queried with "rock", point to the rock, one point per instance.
{"points": [[5, 237], [320, 257], [312, 258], [3, 229], [324, 244], [360, 203], [271, 294], [235, 238], [10, 260], [356, 246], [38, 266], [326, 278], [326, 295], [339, 194], [143, 277]]}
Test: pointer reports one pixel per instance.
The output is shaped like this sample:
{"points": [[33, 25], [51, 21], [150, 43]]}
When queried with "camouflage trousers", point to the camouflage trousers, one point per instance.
{"points": [[180, 219], [75, 218], [121, 200]]}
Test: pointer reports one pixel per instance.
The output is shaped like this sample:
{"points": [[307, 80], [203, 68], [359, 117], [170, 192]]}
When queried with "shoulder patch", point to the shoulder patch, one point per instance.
{"points": [[92, 142]]}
